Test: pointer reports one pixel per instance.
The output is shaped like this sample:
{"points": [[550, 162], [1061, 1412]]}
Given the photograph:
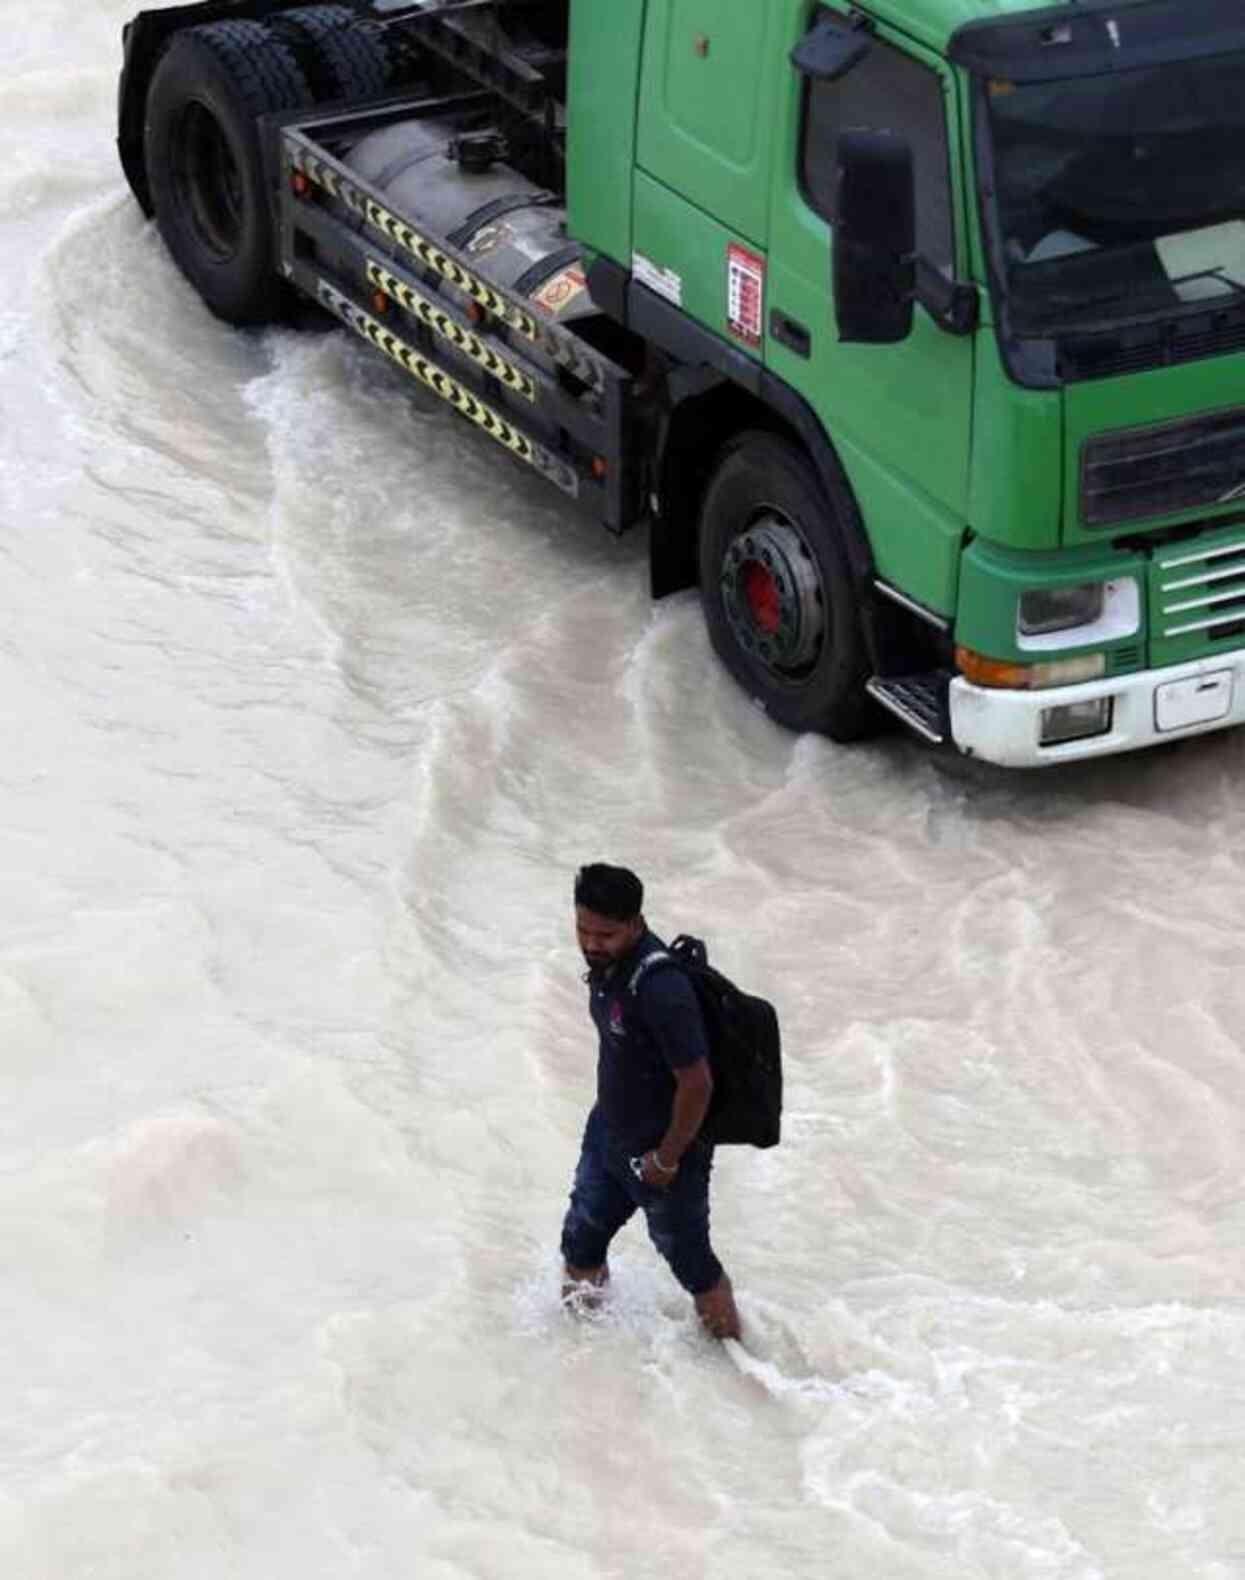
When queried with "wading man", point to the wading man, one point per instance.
{"points": [[641, 1147]]}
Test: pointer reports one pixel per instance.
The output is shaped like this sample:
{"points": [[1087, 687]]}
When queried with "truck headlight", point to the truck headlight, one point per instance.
{"points": [[1046, 609], [1077, 614]]}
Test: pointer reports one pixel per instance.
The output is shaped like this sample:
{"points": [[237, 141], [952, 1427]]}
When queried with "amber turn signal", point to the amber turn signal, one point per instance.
{"points": [[1006, 674]]}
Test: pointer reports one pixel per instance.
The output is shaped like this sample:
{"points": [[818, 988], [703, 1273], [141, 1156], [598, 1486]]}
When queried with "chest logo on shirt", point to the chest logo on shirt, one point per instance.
{"points": [[617, 1028]]}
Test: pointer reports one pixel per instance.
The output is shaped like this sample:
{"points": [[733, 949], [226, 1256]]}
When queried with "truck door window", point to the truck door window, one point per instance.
{"points": [[887, 92]]}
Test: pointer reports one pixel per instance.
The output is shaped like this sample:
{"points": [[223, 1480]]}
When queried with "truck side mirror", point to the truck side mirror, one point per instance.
{"points": [[829, 50], [874, 269]]}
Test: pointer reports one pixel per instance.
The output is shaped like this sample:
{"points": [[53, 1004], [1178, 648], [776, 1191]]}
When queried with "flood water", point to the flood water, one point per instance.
{"points": [[312, 702]]}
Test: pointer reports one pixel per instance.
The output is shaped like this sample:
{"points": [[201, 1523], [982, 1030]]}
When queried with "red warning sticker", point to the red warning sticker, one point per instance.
{"points": [[745, 293], [558, 292]]}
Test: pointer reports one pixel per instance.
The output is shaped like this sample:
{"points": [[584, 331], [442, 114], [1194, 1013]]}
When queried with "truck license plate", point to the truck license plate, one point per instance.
{"points": [[1195, 701]]}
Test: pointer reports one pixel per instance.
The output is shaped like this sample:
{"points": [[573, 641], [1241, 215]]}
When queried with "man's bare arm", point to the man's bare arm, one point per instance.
{"points": [[692, 1091]]}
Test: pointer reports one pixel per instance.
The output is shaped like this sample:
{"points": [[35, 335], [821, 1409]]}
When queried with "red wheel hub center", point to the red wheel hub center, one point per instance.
{"points": [[763, 597], [772, 596]]}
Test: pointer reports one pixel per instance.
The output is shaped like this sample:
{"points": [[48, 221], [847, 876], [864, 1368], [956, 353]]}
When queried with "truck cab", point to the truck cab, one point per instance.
{"points": [[1048, 460]]}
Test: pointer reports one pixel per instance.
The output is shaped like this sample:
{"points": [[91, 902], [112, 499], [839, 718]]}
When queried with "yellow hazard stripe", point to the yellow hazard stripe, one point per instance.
{"points": [[556, 343], [448, 327], [449, 389], [420, 248]]}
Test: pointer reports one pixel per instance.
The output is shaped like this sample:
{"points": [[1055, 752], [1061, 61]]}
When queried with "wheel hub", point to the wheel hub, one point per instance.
{"points": [[209, 181], [772, 594]]}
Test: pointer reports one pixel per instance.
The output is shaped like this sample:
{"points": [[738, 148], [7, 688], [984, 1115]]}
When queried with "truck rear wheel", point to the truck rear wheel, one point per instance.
{"points": [[205, 164], [340, 57], [776, 591]]}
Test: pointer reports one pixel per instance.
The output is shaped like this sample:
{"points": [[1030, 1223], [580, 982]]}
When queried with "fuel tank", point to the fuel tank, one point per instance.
{"points": [[455, 185]]}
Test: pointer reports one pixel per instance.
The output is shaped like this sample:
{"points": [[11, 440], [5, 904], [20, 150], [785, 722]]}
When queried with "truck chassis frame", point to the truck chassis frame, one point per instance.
{"points": [[568, 419]]}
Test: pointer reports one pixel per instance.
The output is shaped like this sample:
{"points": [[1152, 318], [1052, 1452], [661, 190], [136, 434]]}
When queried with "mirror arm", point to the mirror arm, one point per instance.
{"points": [[954, 305]]}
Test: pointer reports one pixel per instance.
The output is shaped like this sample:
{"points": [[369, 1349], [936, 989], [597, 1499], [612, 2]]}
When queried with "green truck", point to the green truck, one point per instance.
{"points": [[914, 330]]}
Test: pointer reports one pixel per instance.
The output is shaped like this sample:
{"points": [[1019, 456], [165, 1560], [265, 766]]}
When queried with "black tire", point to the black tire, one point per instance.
{"points": [[776, 589], [205, 166], [340, 57]]}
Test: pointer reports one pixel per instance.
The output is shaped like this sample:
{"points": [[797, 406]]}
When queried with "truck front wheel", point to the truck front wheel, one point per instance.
{"points": [[776, 591], [205, 163]]}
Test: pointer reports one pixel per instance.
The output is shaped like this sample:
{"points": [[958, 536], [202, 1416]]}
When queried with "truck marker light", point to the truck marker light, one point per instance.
{"points": [[1006, 674], [300, 186], [380, 302], [600, 468]]}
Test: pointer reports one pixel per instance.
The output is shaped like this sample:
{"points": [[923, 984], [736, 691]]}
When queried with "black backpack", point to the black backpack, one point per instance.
{"points": [[745, 1049]]}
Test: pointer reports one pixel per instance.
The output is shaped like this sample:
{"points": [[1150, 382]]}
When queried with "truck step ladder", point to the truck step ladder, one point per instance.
{"points": [[920, 701]]}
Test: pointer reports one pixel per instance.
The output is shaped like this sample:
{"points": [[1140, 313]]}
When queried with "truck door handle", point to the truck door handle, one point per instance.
{"points": [[790, 333]]}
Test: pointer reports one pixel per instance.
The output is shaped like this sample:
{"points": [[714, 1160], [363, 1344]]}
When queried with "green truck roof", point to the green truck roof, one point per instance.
{"points": [[932, 22]]}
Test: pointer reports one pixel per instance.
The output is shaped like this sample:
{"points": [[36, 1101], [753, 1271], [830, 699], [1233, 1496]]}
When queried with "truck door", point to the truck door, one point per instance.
{"points": [[703, 149], [899, 415]]}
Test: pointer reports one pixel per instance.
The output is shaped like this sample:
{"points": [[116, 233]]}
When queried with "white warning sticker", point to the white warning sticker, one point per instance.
{"points": [[664, 281], [745, 293]]}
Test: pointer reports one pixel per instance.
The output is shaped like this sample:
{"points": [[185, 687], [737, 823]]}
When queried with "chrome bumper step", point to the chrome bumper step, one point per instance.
{"points": [[920, 701]]}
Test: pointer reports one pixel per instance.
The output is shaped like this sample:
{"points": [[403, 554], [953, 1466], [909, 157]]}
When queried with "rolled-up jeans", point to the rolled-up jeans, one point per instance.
{"points": [[606, 1193]]}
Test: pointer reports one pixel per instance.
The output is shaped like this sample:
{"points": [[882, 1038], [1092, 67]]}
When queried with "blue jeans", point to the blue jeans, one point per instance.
{"points": [[606, 1194]]}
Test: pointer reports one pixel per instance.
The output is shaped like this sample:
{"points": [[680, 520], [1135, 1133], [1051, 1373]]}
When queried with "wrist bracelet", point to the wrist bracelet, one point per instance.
{"points": [[658, 1164]]}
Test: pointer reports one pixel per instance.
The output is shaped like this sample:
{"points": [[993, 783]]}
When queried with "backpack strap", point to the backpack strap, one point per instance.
{"points": [[690, 950], [654, 958]]}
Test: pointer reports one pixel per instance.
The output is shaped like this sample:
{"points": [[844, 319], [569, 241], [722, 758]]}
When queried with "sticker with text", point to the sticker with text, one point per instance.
{"points": [[745, 293], [664, 281]]}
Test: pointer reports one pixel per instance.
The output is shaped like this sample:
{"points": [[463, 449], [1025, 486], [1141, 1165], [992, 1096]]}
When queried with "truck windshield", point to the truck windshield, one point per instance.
{"points": [[1121, 196]]}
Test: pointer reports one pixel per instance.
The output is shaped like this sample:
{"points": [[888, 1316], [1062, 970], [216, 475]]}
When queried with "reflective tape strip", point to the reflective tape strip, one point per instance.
{"points": [[449, 389], [557, 344], [419, 247], [450, 329]]}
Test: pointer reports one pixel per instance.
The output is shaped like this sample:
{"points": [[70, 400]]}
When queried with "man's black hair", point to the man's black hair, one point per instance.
{"points": [[615, 892]]}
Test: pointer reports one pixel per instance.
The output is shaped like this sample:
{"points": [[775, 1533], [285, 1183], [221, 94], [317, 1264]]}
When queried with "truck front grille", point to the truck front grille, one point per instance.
{"points": [[1197, 597], [1145, 472]]}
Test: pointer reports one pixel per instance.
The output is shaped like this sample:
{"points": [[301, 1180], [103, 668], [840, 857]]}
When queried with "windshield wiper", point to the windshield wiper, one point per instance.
{"points": [[1219, 272], [1107, 298], [1078, 299]]}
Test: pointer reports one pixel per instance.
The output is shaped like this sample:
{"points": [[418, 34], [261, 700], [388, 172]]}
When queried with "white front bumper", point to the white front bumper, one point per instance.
{"points": [[1005, 726]]}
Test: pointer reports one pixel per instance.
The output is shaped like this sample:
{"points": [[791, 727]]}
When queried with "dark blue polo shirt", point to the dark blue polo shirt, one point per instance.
{"points": [[644, 1037]]}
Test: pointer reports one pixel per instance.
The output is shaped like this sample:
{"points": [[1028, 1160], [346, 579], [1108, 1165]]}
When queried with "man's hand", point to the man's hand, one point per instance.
{"points": [[693, 1087], [653, 1171]]}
